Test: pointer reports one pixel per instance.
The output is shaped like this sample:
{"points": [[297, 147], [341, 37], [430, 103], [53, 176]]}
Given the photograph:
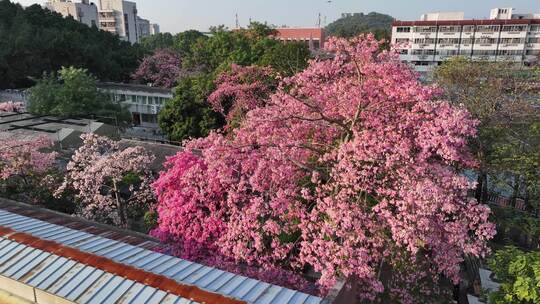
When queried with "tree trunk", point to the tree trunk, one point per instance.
{"points": [[481, 187], [120, 207]]}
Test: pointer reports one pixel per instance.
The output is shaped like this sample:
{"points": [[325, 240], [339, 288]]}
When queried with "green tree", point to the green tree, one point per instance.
{"points": [[35, 40], [504, 100], [72, 92], [188, 114], [519, 273], [183, 42], [157, 42]]}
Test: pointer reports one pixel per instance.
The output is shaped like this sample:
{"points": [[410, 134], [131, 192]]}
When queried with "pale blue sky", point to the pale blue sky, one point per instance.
{"points": [[180, 15]]}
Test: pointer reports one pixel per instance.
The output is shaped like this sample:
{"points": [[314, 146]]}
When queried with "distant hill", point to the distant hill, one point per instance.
{"points": [[351, 26]]}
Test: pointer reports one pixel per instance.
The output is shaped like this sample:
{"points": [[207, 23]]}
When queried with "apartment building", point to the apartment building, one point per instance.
{"points": [[143, 28], [119, 17], [506, 36], [83, 11], [154, 29]]}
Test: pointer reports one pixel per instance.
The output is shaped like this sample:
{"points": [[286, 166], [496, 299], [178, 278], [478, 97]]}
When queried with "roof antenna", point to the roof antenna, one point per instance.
{"points": [[319, 20], [237, 22]]}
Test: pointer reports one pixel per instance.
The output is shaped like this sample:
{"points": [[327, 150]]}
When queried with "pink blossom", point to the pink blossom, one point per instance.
{"points": [[352, 165]]}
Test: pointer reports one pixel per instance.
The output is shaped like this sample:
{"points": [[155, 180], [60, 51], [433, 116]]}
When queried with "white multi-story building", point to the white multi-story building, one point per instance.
{"points": [[119, 17], [82, 11], [504, 37]]}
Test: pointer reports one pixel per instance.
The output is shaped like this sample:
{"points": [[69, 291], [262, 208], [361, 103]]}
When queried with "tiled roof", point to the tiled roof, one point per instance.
{"points": [[60, 259], [300, 33]]}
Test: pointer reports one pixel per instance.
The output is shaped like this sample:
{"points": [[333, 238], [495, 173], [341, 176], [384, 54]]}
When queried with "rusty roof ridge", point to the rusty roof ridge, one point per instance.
{"points": [[75, 219], [161, 282]]}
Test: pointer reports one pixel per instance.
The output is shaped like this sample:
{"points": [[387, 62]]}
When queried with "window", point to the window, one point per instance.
{"points": [[447, 52], [468, 28], [510, 53], [402, 40], [403, 29], [449, 29], [535, 28], [425, 29], [485, 41], [466, 41], [532, 52], [448, 40], [533, 40], [465, 52], [403, 52], [484, 52], [514, 28], [512, 40], [487, 28]]}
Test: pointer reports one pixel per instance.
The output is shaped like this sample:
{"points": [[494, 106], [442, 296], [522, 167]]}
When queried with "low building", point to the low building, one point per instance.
{"points": [[506, 36], [144, 102], [48, 257], [83, 11], [313, 37], [64, 132]]}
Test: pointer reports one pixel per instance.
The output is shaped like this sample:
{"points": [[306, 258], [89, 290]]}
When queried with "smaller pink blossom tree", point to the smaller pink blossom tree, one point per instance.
{"points": [[241, 90], [24, 166], [10, 106], [110, 183], [160, 69]]}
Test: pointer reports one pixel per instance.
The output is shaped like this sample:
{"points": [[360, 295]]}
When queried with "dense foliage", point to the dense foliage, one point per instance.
{"points": [[26, 169], [506, 102], [519, 273], [351, 167], [36, 40], [240, 90], [351, 26], [161, 69], [72, 92], [111, 184], [189, 114]]}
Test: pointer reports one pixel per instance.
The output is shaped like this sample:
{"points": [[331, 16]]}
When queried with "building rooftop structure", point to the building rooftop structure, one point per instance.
{"points": [[47, 257], [65, 132], [505, 36], [314, 37]]}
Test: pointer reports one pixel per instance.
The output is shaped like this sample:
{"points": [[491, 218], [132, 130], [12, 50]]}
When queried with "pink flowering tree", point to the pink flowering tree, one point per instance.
{"points": [[353, 168], [160, 69], [10, 106], [24, 167], [111, 184], [240, 90]]}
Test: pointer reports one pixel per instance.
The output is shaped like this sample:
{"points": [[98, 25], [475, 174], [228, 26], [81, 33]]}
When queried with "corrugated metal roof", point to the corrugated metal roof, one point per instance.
{"points": [[77, 282], [74, 281]]}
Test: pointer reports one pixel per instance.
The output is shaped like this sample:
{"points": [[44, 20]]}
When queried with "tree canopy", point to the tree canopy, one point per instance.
{"points": [[190, 114], [351, 168], [506, 101], [36, 40], [72, 92]]}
